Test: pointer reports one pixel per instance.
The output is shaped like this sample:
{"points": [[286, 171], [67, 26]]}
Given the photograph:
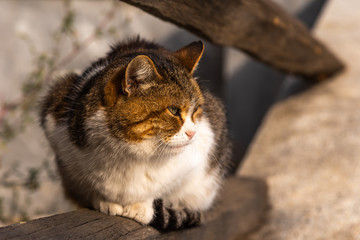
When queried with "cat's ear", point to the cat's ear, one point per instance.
{"points": [[140, 73], [190, 55]]}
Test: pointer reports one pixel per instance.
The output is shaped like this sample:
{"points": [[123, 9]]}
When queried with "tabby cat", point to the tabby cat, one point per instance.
{"points": [[135, 136]]}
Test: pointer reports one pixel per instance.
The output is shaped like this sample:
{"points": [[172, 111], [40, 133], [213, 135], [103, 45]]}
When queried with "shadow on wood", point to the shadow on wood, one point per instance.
{"points": [[260, 28], [240, 209]]}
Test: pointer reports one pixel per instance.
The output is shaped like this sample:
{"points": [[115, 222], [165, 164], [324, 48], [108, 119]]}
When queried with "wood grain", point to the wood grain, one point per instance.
{"points": [[258, 27], [240, 209]]}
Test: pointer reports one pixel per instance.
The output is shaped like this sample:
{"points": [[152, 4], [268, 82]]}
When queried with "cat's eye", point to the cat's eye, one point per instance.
{"points": [[197, 108], [196, 113], [174, 111]]}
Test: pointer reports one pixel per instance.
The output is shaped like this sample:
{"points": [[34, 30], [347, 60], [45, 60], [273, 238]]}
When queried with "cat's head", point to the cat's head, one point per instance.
{"points": [[155, 98]]}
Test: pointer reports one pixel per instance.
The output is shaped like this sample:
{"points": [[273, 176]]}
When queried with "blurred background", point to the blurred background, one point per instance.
{"points": [[42, 39]]}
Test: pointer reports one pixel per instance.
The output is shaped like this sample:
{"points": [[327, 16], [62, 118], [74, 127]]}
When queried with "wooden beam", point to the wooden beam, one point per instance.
{"points": [[240, 209], [258, 27]]}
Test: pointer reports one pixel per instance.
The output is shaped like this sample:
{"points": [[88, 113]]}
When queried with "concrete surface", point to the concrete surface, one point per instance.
{"points": [[308, 148], [252, 87]]}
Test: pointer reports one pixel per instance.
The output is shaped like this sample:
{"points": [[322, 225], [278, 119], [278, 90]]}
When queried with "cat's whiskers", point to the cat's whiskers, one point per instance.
{"points": [[162, 152], [157, 157], [156, 146]]}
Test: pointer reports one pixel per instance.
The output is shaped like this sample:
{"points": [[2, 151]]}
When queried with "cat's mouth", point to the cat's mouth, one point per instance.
{"points": [[178, 146]]}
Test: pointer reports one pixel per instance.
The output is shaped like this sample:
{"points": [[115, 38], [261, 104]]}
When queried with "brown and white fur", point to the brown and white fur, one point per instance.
{"points": [[135, 136]]}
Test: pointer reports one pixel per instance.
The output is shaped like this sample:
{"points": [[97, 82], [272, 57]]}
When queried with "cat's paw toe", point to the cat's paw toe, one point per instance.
{"points": [[170, 219], [110, 208], [140, 212]]}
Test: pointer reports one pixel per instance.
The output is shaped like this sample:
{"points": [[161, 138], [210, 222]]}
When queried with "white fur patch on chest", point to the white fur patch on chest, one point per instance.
{"points": [[123, 173], [148, 176]]}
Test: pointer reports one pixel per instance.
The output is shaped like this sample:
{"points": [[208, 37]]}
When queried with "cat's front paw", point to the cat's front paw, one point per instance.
{"points": [[167, 218], [109, 208], [141, 212]]}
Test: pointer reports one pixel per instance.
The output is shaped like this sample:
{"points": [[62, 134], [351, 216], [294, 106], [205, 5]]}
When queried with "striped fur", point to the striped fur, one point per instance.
{"points": [[135, 136]]}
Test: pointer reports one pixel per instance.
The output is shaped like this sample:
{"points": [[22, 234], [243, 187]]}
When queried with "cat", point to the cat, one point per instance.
{"points": [[134, 135]]}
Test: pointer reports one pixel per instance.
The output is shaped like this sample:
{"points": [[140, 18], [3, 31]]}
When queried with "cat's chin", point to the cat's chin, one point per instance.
{"points": [[177, 148]]}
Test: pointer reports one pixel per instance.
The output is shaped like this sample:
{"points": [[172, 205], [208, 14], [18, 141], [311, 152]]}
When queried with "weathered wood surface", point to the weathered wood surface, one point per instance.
{"points": [[258, 27], [240, 209]]}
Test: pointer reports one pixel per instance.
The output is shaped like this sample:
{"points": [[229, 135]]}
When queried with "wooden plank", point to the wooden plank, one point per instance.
{"points": [[241, 208], [258, 27]]}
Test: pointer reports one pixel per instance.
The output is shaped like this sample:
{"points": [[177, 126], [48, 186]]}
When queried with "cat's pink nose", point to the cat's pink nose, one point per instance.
{"points": [[190, 134]]}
